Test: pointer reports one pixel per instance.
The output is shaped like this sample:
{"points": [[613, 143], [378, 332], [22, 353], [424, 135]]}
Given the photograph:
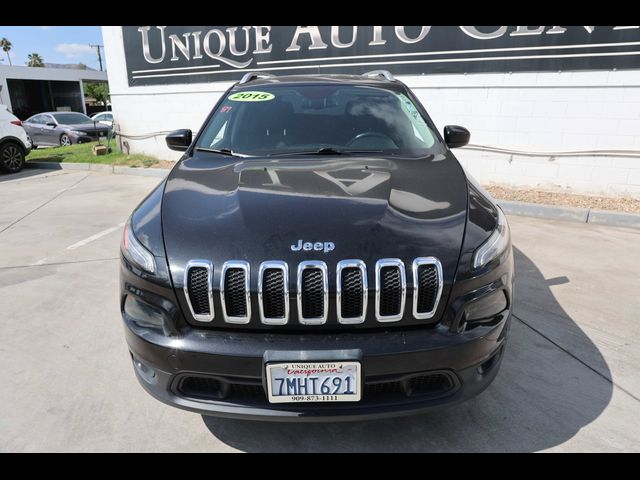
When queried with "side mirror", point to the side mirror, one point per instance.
{"points": [[179, 140], [51, 124], [455, 136]]}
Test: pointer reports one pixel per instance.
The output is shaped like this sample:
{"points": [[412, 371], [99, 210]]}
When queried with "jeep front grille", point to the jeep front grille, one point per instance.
{"points": [[198, 288], [234, 292], [312, 295]]}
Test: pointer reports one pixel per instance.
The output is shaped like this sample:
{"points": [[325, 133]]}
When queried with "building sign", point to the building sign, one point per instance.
{"points": [[158, 55]]}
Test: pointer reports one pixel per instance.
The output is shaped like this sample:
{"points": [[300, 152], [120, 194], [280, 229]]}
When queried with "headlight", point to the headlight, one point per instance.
{"points": [[133, 251], [78, 132], [495, 244]]}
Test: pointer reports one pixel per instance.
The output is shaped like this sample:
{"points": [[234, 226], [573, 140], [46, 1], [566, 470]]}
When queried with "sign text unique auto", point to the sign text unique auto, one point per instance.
{"points": [[166, 55]]}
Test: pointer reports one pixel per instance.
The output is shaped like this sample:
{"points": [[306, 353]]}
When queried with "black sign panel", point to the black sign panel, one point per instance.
{"points": [[164, 55]]}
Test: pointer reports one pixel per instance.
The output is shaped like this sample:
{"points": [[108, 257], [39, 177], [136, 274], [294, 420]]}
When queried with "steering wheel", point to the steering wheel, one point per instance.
{"points": [[378, 135]]}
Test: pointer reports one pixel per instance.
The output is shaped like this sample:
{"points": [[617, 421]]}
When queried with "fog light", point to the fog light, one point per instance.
{"points": [[486, 307], [147, 373], [142, 313]]}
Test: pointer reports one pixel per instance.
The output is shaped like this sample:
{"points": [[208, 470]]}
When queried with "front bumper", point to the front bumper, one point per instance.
{"points": [[469, 360]]}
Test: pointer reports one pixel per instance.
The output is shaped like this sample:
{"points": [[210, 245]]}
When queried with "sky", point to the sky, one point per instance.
{"points": [[54, 44]]}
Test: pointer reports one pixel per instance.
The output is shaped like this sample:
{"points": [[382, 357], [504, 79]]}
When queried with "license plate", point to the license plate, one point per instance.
{"points": [[313, 382]]}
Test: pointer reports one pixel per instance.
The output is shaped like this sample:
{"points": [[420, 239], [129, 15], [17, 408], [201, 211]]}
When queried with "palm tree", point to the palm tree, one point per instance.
{"points": [[35, 60], [6, 46]]}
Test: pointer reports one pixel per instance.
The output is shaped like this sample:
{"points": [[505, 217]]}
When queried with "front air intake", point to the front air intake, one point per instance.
{"points": [[313, 293], [198, 283], [391, 289], [234, 292]]}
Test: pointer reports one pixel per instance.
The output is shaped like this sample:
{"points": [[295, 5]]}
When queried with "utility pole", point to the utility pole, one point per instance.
{"points": [[97, 47]]}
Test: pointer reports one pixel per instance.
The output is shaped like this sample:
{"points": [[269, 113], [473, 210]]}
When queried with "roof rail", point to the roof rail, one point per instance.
{"points": [[252, 76], [380, 73]]}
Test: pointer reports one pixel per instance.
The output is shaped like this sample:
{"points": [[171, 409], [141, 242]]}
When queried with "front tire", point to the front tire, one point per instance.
{"points": [[65, 140], [12, 158]]}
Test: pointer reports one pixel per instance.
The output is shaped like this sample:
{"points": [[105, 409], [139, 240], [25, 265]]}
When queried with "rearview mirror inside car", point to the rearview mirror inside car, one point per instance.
{"points": [[456, 136], [179, 140]]}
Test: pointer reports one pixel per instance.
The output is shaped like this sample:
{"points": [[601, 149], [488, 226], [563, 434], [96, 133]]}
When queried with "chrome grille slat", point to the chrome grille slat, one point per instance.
{"points": [[391, 288], [427, 286], [273, 292], [235, 295], [351, 291], [203, 311], [313, 277]]}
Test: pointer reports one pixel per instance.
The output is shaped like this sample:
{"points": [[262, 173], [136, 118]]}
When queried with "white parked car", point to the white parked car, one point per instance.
{"points": [[106, 118], [15, 144]]}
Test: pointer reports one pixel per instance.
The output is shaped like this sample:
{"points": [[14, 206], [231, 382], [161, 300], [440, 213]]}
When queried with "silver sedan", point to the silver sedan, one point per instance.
{"points": [[63, 128]]}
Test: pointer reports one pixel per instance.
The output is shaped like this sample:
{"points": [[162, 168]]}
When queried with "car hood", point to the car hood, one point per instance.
{"points": [[254, 209]]}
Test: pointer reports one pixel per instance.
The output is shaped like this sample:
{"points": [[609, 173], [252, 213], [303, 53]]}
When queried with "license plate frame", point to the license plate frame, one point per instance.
{"points": [[321, 370]]}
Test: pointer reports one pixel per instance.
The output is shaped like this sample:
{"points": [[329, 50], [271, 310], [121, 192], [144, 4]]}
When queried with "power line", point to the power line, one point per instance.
{"points": [[98, 47]]}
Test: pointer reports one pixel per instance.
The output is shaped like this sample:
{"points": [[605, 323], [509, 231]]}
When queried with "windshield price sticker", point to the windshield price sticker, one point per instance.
{"points": [[251, 96]]}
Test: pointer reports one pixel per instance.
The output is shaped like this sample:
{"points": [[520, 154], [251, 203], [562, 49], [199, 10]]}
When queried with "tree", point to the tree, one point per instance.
{"points": [[6, 46], [97, 90], [35, 60]]}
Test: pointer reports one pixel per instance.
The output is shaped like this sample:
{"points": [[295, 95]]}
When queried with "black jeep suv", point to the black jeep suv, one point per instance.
{"points": [[318, 253]]}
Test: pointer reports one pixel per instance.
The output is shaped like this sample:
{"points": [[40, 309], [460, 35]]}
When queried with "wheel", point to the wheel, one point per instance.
{"points": [[65, 141], [11, 158]]}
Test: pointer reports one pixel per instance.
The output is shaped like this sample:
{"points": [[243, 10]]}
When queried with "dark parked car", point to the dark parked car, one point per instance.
{"points": [[318, 253], [63, 128]]}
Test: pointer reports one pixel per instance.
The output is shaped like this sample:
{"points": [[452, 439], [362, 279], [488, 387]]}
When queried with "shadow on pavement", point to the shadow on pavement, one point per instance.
{"points": [[26, 173], [541, 398]]}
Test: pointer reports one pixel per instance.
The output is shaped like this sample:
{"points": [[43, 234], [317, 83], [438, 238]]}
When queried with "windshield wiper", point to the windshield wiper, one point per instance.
{"points": [[222, 151], [324, 151]]}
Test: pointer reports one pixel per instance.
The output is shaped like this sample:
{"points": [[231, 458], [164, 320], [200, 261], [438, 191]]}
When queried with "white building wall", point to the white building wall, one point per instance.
{"points": [[544, 112], [533, 112]]}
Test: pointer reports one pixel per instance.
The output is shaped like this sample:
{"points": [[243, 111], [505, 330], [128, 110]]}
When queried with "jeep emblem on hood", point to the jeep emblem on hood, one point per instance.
{"points": [[317, 246]]}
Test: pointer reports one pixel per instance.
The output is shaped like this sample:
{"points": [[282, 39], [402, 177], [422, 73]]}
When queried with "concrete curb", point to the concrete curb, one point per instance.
{"points": [[571, 214], [97, 167], [614, 218]]}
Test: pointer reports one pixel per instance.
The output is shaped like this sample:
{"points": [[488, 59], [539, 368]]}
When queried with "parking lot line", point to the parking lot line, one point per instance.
{"points": [[60, 192], [98, 235]]}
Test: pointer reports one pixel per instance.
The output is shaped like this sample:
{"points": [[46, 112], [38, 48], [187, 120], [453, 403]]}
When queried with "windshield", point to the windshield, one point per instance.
{"points": [[290, 119], [71, 118]]}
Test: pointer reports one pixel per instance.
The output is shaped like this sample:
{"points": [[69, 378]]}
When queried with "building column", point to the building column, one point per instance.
{"points": [[84, 105], [5, 98]]}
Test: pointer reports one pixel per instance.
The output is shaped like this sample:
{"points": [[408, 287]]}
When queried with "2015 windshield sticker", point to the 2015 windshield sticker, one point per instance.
{"points": [[251, 97]]}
